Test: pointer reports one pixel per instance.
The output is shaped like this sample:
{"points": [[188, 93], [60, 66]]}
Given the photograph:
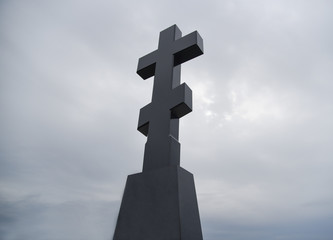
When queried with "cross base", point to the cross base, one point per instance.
{"points": [[159, 205]]}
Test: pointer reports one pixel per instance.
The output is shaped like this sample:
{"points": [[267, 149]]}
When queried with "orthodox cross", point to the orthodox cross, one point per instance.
{"points": [[159, 120]]}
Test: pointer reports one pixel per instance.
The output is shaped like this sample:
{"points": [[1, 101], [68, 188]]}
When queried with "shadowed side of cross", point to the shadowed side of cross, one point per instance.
{"points": [[159, 120]]}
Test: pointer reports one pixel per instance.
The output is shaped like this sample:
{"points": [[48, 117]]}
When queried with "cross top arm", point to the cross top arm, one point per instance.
{"points": [[183, 49]]}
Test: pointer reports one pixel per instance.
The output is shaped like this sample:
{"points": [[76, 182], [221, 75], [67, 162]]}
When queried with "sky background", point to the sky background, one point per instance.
{"points": [[259, 140]]}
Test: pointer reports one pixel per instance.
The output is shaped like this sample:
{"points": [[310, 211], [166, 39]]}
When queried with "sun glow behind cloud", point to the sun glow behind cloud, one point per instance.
{"points": [[257, 104]]}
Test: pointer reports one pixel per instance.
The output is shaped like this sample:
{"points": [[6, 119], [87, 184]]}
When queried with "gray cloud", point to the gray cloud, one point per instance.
{"points": [[258, 141]]}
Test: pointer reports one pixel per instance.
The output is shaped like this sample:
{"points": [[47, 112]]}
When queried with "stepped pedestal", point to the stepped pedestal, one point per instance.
{"points": [[159, 205]]}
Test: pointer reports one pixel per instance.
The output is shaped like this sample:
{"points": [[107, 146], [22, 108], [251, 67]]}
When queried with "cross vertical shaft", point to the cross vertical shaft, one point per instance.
{"points": [[159, 120]]}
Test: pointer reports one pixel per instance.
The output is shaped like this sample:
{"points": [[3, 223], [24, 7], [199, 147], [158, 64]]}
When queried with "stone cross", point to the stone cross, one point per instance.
{"points": [[160, 202], [159, 120]]}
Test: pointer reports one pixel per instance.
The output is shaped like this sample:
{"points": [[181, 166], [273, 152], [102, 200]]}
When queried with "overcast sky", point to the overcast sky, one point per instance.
{"points": [[259, 140]]}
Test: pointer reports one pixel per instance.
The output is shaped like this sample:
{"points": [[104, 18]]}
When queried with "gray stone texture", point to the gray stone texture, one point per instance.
{"points": [[159, 205]]}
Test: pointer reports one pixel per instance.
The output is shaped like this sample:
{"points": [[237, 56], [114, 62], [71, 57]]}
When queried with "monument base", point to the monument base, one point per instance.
{"points": [[159, 205]]}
